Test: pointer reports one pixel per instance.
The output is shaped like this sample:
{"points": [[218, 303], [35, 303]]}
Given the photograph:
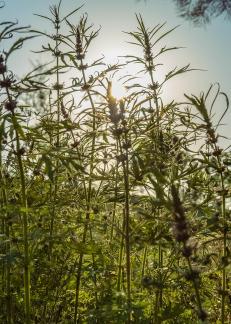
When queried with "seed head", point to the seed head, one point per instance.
{"points": [[36, 172], [58, 86], [79, 46], [117, 132], [2, 68], [187, 251], [21, 151], [86, 87], [6, 83], [121, 158], [182, 236], [10, 105], [82, 67], [63, 111]]}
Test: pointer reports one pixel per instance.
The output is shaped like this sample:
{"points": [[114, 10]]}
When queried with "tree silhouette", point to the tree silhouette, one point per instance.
{"points": [[202, 11]]}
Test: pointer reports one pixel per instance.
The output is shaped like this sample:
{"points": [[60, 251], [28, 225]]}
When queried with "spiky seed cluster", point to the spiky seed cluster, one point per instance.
{"points": [[147, 49], [2, 68], [180, 226], [79, 46], [10, 105], [2, 65], [181, 231], [6, 83], [21, 151], [148, 53], [63, 111], [58, 86], [182, 235]]}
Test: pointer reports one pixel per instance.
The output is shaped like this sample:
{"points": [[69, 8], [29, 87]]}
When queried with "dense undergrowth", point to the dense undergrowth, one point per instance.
{"points": [[112, 210]]}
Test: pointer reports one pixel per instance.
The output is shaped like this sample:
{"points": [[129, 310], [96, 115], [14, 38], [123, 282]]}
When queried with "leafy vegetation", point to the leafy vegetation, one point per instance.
{"points": [[112, 210]]}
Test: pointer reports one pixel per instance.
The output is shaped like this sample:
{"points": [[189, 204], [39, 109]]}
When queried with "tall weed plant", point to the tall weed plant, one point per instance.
{"points": [[113, 210]]}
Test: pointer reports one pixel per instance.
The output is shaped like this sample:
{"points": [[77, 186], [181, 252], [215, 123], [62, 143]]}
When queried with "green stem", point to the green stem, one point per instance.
{"points": [[125, 165], [195, 285], [24, 213], [88, 201], [6, 230], [120, 257], [223, 211], [116, 194], [144, 261], [223, 214], [54, 193]]}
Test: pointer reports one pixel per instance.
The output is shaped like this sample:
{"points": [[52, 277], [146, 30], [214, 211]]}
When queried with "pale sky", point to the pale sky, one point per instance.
{"points": [[207, 47]]}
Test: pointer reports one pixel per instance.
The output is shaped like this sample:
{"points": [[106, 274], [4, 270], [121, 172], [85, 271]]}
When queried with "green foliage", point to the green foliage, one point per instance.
{"points": [[112, 210]]}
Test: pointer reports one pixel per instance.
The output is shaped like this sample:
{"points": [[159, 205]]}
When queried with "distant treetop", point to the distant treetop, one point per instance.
{"points": [[202, 11]]}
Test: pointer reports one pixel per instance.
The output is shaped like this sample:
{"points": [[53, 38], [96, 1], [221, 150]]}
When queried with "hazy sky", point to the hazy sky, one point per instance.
{"points": [[207, 47]]}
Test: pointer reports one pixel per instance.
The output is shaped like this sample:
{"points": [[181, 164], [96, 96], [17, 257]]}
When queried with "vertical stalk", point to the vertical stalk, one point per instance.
{"points": [[223, 215], [160, 264], [223, 212], [160, 250], [125, 164], [144, 261], [120, 257], [25, 233], [88, 200], [6, 231], [116, 193], [58, 134], [195, 285], [24, 213]]}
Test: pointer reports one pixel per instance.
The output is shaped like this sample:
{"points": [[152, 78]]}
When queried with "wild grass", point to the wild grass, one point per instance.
{"points": [[113, 210]]}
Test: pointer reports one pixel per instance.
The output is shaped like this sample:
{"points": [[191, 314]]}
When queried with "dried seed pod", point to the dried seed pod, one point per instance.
{"points": [[121, 158], [127, 145], [217, 152], [117, 132], [187, 251], [6, 83], [86, 87], [22, 151], [2, 68], [82, 67], [182, 236], [58, 86], [10, 105], [80, 56], [36, 172]]}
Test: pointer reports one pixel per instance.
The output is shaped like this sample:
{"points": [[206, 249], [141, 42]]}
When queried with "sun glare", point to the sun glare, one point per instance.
{"points": [[118, 90]]}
